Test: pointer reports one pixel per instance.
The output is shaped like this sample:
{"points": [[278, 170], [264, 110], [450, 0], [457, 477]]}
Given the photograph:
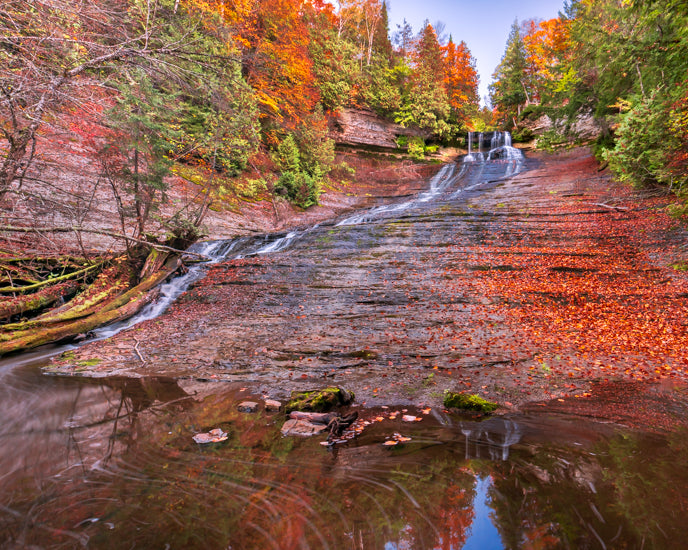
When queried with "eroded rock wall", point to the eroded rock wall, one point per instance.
{"points": [[365, 127]]}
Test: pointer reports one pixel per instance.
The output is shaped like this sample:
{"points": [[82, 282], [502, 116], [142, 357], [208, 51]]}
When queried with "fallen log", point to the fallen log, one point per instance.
{"points": [[115, 309], [109, 284], [74, 275], [37, 301]]}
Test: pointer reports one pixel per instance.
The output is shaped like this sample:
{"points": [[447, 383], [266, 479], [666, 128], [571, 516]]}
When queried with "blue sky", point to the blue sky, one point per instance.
{"points": [[483, 25]]}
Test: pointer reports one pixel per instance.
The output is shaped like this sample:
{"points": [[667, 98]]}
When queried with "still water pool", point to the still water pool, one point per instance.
{"points": [[110, 463]]}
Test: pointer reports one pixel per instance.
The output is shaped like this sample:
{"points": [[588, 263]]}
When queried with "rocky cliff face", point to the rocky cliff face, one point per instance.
{"points": [[584, 127], [364, 127]]}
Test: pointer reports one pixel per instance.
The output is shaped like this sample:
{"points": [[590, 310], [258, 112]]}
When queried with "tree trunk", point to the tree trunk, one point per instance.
{"points": [[37, 301], [14, 160], [86, 315]]}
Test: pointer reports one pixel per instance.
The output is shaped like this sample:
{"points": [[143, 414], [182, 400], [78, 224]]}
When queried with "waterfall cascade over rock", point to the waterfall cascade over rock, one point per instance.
{"points": [[497, 144]]}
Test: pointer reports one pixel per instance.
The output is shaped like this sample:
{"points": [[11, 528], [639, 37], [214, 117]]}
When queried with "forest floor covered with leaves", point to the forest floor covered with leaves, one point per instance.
{"points": [[556, 286]]}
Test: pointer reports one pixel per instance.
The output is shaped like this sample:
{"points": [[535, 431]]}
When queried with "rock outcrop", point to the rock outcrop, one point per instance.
{"points": [[365, 127], [584, 127]]}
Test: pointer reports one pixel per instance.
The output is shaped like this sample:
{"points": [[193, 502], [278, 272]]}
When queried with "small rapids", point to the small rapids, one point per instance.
{"points": [[451, 183], [501, 161]]}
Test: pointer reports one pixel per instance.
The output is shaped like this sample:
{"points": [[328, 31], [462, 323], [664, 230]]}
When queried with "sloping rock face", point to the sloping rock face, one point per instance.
{"points": [[584, 127], [364, 127]]}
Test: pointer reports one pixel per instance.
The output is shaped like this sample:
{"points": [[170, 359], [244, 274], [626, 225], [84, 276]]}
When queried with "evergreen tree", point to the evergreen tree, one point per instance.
{"points": [[425, 103], [403, 39], [381, 42], [428, 56], [136, 157], [510, 89]]}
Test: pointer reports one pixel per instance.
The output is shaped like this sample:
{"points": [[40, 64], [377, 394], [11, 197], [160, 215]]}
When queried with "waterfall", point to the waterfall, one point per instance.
{"points": [[500, 149], [215, 251]]}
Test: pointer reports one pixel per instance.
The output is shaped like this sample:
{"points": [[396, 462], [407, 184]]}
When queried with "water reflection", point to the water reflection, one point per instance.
{"points": [[490, 439], [111, 463]]}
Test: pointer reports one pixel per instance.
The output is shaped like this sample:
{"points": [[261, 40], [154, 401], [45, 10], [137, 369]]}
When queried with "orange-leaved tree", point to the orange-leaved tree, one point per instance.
{"points": [[273, 39], [548, 46], [460, 82]]}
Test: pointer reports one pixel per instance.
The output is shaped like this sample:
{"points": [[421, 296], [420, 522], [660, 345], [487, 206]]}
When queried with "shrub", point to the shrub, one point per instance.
{"points": [[416, 148], [638, 157]]}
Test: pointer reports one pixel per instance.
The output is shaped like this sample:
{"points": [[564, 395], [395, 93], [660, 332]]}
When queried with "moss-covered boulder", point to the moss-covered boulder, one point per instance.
{"points": [[318, 400], [468, 402]]}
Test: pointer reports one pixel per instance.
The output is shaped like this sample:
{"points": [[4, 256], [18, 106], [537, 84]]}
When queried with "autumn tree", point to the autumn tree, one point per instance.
{"points": [[460, 82], [548, 50], [361, 21], [426, 103], [273, 39]]}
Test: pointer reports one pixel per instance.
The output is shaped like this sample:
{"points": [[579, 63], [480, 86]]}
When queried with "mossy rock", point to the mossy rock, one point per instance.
{"points": [[468, 402], [318, 400]]}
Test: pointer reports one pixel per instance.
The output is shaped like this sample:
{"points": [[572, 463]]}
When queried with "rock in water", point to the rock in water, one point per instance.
{"points": [[302, 427], [248, 406], [272, 405], [318, 400], [213, 436], [315, 418]]}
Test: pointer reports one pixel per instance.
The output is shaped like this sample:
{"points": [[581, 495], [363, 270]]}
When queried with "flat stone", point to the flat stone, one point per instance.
{"points": [[248, 407], [302, 427], [214, 436], [272, 405]]}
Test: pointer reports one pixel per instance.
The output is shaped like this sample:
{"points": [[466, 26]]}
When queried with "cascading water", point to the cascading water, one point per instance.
{"points": [[216, 251], [440, 182], [495, 140], [500, 148]]}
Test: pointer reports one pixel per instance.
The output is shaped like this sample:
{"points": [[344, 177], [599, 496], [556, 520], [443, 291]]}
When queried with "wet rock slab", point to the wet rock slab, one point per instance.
{"points": [[512, 289]]}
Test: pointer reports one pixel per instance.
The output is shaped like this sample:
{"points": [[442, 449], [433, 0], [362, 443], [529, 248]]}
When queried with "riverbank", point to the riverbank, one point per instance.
{"points": [[543, 288]]}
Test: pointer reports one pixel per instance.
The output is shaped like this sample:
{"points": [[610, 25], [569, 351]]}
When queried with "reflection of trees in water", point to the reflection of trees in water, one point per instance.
{"points": [[136, 395], [260, 490], [627, 492], [51, 482]]}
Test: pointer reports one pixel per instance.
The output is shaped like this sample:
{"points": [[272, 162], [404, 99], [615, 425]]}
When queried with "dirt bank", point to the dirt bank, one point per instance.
{"points": [[540, 288]]}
